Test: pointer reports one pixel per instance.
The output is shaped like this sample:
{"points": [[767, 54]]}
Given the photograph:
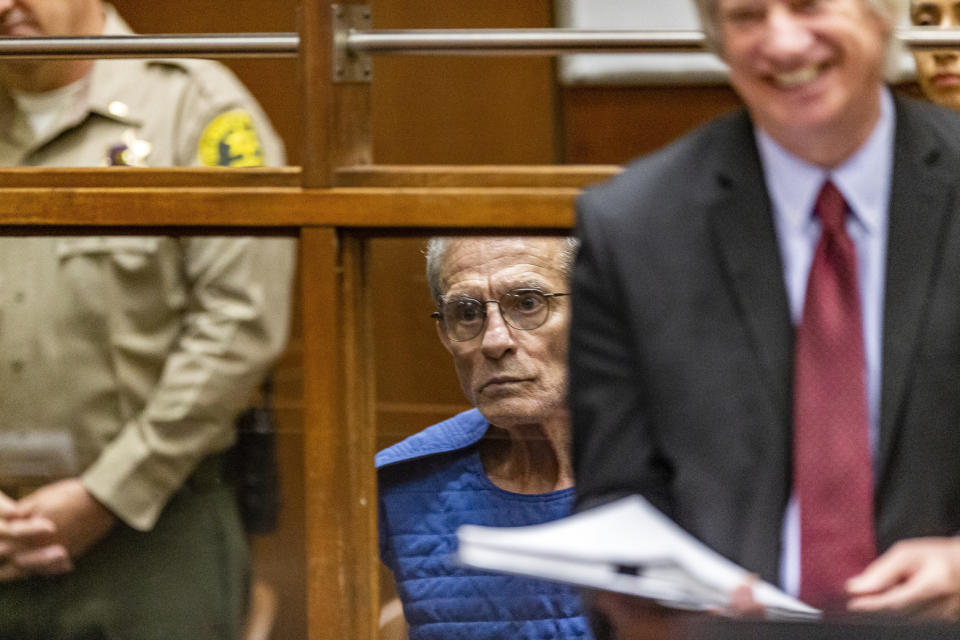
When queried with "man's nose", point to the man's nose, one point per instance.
{"points": [[498, 338], [787, 34]]}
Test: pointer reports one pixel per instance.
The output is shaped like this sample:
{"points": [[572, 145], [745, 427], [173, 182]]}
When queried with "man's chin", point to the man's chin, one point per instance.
{"points": [[509, 412], [946, 96]]}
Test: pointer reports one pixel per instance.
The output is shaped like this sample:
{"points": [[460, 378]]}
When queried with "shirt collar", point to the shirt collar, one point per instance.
{"points": [[107, 78], [100, 89], [863, 179]]}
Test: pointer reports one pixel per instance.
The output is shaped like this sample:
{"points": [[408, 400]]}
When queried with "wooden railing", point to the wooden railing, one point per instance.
{"points": [[333, 225], [335, 203]]}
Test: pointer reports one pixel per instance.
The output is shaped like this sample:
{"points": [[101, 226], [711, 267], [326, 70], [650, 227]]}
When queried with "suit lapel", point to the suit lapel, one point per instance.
{"points": [[744, 235], [921, 194], [740, 216]]}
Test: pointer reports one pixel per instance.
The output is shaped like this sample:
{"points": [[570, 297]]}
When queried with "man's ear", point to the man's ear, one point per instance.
{"points": [[444, 340]]}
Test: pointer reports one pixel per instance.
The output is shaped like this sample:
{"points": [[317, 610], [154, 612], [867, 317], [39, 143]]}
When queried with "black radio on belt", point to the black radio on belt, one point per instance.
{"points": [[255, 464]]}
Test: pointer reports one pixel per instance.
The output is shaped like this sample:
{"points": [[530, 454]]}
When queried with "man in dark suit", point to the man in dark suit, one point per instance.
{"points": [[693, 379]]}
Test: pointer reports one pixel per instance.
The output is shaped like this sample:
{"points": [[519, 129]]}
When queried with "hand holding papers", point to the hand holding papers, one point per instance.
{"points": [[626, 546]]}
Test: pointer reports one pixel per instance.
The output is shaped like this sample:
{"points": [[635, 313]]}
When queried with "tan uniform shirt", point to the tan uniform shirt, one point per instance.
{"points": [[125, 359], [184, 109]]}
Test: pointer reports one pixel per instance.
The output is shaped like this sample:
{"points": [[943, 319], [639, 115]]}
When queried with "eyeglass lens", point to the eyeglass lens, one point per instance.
{"points": [[524, 309]]}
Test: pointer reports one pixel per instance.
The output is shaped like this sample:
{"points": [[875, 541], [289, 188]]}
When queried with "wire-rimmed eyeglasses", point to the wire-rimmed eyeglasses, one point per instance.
{"points": [[463, 318]]}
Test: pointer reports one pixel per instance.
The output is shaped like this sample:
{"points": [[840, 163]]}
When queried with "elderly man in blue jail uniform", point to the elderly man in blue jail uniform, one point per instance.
{"points": [[503, 316]]}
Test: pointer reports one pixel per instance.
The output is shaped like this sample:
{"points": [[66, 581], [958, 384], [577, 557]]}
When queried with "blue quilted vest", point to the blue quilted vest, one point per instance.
{"points": [[430, 484]]}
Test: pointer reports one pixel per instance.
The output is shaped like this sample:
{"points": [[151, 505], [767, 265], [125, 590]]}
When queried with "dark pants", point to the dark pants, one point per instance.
{"points": [[186, 579]]}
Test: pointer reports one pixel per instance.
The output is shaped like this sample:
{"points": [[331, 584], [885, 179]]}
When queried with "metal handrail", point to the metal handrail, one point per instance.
{"points": [[564, 41], [521, 41], [407, 42], [926, 38], [198, 45]]}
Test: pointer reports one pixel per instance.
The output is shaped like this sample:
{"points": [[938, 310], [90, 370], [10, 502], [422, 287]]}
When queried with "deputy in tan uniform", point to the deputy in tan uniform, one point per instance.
{"points": [[123, 360]]}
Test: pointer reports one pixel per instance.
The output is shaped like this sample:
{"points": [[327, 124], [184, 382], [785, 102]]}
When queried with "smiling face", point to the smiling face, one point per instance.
{"points": [[809, 71], [513, 377], [938, 72]]}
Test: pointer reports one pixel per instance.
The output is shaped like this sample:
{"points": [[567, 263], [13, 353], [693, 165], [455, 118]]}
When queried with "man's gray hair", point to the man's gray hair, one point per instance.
{"points": [[436, 251], [891, 10]]}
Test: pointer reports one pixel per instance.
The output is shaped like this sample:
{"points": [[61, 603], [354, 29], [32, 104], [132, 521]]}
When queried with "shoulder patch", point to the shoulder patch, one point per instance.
{"points": [[230, 140]]}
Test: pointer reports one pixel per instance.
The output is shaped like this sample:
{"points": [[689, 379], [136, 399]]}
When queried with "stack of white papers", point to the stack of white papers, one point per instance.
{"points": [[627, 546]]}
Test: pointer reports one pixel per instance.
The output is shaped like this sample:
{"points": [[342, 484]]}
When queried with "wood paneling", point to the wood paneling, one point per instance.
{"points": [[338, 133], [612, 125], [441, 209], [465, 110], [37, 177], [415, 381], [474, 176], [343, 567]]}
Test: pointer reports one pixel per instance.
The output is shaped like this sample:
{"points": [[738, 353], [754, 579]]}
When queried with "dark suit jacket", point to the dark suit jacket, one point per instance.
{"points": [[681, 343]]}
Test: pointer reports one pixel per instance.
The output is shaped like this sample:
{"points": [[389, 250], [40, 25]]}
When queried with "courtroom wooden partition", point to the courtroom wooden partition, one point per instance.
{"points": [[348, 212], [335, 204]]}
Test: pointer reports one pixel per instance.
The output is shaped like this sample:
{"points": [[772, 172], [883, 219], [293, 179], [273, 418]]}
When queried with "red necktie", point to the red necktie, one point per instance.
{"points": [[832, 475]]}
